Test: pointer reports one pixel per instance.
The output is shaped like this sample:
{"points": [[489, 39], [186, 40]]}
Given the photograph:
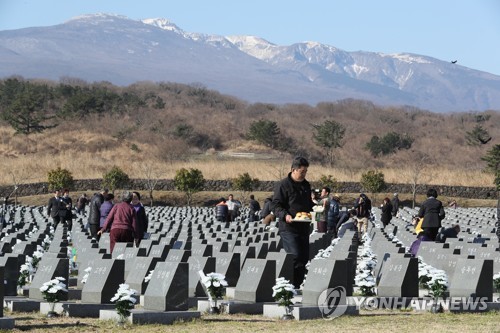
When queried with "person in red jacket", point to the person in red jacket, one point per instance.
{"points": [[122, 222]]}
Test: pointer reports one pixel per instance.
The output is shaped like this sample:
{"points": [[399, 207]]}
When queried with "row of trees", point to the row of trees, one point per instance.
{"points": [[34, 107], [328, 136], [192, 181]]}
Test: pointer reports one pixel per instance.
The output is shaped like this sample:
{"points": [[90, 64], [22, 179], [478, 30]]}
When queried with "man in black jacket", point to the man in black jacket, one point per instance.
{"points": [[95, 212], [55, 206], [433, 212], [293, 195]]}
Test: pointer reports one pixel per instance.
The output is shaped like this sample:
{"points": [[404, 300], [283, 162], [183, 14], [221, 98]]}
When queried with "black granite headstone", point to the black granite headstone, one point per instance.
{"points": [[168, 288], [323, 274], [256, 281], [104, 281], [399, 278]]}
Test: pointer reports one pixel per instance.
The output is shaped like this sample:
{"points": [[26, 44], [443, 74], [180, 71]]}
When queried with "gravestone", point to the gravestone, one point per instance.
{"points": [[472, 278], [130, 254], [120, 248], [201, 250], [1, 290], [256, 281], [399, 277], [168, 288], [196, 264], [284, 264], [159, 251], [49, 269], [104, 281], [323, 274], [12, 265], [141, 266], [228, 264], [178, 255], [245, 253]]}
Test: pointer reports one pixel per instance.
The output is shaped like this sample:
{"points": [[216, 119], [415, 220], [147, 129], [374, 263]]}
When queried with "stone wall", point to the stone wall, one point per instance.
{"points": [[93, 185]]}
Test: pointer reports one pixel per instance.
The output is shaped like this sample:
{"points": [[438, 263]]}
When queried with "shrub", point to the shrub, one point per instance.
{"points": [[115, 178], [373, 181], [189, 181], [245, 184], [59, 178]]}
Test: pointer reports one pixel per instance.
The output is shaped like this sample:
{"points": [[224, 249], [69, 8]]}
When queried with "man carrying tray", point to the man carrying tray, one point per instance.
{"points": [[291, 196]]}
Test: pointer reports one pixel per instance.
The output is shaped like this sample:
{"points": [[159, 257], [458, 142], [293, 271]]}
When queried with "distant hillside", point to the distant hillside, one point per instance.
{"points": [[100, 125]]}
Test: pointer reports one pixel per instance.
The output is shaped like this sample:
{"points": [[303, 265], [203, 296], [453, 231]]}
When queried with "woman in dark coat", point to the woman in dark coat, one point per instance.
{"points": [[142, 218], [386, 212]]}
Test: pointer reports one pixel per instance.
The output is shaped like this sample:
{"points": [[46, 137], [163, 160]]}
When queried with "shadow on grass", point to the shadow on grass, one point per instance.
{"points": [[47, 325], [239, 320]]}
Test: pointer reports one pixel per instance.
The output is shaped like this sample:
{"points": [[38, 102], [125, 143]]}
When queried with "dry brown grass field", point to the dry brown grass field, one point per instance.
{"points": [[145, 139]]}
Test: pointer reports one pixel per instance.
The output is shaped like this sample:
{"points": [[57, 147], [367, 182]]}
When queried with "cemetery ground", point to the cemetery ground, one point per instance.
{"points": [[210, 198], [367, 321], [184, 240]]}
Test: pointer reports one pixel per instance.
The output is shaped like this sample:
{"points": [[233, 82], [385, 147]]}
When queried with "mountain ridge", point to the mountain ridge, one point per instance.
{"points": [[104, 47]]}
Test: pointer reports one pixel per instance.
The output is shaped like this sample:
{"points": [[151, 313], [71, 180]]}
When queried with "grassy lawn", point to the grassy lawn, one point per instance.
{"points": [[367, 321]]}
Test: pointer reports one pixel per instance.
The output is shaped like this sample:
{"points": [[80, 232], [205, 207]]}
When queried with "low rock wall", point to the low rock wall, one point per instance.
{"points": [[93, 185]]}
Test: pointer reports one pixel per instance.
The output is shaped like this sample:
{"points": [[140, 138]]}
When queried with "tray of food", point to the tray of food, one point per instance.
{"points": [[302, 217]]}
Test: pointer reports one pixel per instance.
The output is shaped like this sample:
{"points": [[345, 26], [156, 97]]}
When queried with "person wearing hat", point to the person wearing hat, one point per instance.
{"points": [[395, 205]]}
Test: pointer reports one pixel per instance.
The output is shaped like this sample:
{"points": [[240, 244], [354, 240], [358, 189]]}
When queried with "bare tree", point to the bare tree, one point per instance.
{"points": [[416, 172], [152, 174], [19, 176]]}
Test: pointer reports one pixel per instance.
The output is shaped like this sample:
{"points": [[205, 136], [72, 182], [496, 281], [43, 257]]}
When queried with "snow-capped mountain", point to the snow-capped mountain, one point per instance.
{"points": [[114, 48]]}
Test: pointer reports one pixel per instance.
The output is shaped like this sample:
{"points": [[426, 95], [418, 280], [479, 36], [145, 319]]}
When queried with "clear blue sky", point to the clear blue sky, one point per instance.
{"points": [[463, 30]]}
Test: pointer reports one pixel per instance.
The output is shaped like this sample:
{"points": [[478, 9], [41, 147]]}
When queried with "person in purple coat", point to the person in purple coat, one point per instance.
{"points": [[106, 208]]}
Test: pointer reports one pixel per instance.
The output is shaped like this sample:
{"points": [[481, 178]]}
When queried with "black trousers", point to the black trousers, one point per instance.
{"points": [[298, 245]]}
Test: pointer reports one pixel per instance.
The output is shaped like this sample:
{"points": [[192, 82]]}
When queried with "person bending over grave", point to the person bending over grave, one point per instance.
{"points": [[291, 196], [347, 221], [122, 222], [451, 232]]}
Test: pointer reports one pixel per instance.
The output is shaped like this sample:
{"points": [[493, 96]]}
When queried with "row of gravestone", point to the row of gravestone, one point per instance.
{"points": [[178, 247], [184, 240], [469, 264]]}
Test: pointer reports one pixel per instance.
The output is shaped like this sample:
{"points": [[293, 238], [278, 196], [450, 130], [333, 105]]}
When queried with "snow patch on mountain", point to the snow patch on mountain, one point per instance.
{"points": [[408, 58]]}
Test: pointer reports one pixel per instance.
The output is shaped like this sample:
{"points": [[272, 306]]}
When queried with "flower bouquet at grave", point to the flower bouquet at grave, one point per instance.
{"points": [[496, 282], [73, 266], [424, 274], [37, 256], [52, 291], [215, 284], [149, 276], [437, 286], [125, 300], [283, 292], [25, 273], [85, 277], [366, 282], [46, 242]]}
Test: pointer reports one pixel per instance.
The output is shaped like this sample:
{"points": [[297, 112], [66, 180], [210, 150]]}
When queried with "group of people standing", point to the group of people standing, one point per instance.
{"points": [[60, 208], [293, 194], [126, 220]]}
